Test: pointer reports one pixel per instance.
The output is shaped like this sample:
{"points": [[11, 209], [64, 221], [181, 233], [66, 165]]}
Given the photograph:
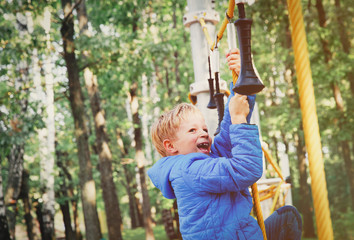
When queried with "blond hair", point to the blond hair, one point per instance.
{"points": [[166, 126]]}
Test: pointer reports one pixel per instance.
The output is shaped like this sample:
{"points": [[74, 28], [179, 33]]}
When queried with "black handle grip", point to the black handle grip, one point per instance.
{"points": [[219, 98], [248, 82], [211, 104]]}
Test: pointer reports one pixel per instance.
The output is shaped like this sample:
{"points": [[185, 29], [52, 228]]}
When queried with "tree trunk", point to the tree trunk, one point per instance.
{"points": [[74, 207], [339, 103], [110, 196], [14, 185], [140, 158], [305, 203], [4, 227], [145, 117], [46, 134], [62, 162], [134, 187], [65, 210], [63, 193], [133, 208], [17, 151], [346, 45], [87, 184], [47, 163], [27, 204], [344, 39], [175, 54], [38, 206]]}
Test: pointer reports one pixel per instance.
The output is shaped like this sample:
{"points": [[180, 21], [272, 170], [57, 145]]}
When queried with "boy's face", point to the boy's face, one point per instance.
{"points": [[192, 136]]}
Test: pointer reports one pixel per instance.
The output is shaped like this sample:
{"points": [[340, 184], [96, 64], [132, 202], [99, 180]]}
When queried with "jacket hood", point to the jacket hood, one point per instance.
{"points": [[159, 174]]}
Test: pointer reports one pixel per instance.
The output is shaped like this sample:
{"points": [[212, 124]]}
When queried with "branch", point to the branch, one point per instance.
{"points": [[71, 11], [101, 59]]}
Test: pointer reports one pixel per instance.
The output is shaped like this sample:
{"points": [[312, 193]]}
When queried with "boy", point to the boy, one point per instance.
{"points": [[210, 181]]}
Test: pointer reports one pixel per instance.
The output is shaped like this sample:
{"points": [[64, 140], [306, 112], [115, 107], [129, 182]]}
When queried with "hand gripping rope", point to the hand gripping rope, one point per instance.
{"points": [[247, 84]]}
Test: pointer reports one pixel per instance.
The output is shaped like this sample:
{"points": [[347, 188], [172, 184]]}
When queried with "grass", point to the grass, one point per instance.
{"points": [[139, 233]]}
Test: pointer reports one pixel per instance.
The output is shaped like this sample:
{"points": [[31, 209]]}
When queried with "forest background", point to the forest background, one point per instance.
{"points": [[81, 83]]}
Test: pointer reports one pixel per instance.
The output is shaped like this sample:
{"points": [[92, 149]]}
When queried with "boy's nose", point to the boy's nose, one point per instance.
{"points": [[204, 133]]}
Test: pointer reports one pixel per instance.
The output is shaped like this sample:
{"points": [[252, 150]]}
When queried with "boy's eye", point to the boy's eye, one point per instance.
{"points": [[205, 130], [192, 130]]}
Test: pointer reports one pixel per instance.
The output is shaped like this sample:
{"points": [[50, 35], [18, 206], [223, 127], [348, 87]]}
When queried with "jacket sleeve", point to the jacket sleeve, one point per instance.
{"points": [[222, 145], [223, 174]]}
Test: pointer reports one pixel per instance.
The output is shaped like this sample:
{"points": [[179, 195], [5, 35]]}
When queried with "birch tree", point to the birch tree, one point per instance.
{"points": [[17, 150], [46, 134]]}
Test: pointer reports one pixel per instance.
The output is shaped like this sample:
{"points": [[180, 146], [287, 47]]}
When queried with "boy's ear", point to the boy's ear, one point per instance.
{"points": [[169, 147]]}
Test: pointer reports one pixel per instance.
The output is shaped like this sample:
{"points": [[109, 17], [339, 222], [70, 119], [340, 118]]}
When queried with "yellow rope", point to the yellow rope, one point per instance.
{"points": [[310, 121], [230, 14], [205, 30], [274, 165], [227, 93], [276, 196], [257, 207]]}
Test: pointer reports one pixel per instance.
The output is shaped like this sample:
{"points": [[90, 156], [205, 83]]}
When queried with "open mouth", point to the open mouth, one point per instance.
{"points": [[204, 147]]}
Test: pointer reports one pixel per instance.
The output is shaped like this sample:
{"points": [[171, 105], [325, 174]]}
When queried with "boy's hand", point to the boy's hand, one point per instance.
{"points": [[239, 109], [234, 60]]}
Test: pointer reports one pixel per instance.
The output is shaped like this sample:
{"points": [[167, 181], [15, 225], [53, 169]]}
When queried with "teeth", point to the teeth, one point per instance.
{"points": [[203, 145]]}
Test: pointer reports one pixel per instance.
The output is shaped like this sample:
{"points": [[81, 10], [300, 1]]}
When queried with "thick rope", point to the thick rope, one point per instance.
{"points": [[276, 196], [274, 165], [230, 14], [310, 121], [257, 207]]}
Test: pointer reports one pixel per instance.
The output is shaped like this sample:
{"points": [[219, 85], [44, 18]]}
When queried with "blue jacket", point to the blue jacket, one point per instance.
{"points": [[212, 191]]}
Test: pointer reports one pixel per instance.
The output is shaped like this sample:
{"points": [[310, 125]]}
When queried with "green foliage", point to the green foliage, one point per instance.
{"points": [[139, 233], [129, 39]]}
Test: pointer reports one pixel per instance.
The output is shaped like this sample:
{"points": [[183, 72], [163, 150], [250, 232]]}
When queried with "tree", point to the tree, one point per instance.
{"points": [[4, 228], [140, 159], [87, 184], [328, 56], [17, 150], [64, 175], [113, 216]]}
